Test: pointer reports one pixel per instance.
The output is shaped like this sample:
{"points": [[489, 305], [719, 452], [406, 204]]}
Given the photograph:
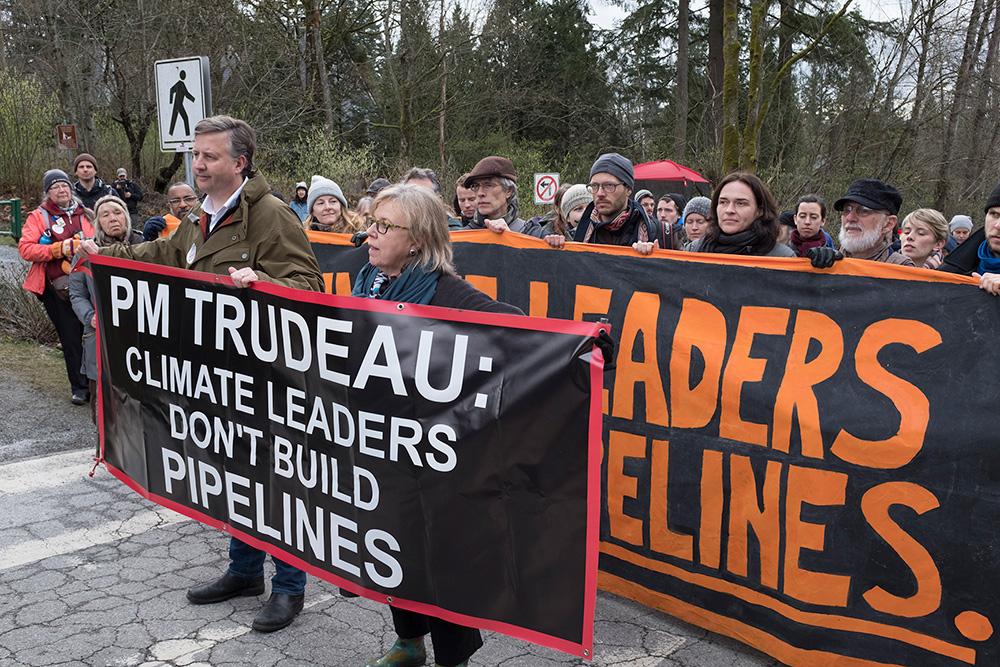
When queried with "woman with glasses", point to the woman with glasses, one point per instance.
{"points": [[410, 260], [328, 210], [743, 220], [494, 184], [49, 240]]}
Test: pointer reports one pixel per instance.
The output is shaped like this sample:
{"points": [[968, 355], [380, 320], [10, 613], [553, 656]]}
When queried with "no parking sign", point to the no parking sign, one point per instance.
{"points": [[545, 188]]}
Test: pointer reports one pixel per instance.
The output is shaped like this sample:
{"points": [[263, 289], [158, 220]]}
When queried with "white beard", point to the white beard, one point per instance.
{"points": [[860, 243]]}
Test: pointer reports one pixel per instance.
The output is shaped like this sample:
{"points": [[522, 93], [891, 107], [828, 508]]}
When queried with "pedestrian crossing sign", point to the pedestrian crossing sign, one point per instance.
{"points": [[183, 97]]}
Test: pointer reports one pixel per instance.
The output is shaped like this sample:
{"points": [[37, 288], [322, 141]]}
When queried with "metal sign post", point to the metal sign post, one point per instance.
{"points": [[66, 139]]}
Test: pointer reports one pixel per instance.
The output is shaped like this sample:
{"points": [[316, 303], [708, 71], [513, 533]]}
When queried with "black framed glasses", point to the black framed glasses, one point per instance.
{"points": [[607, 187]]}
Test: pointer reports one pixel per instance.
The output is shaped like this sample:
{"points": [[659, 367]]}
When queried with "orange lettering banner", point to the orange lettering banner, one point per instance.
{"points": [[804, 460]]}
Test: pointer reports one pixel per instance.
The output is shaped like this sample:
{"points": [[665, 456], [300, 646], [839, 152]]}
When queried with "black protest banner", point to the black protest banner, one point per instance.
{"points": [[446, 461], [803, 460]]}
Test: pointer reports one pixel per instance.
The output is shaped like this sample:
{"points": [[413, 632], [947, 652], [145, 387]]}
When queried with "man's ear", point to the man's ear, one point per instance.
{"points": [[889, 224]]}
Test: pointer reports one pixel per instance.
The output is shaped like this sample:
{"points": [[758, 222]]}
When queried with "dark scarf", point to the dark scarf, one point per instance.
{"points": [[988, 263], [802, 246], [615, 226], [740, 243], [414, 285]]}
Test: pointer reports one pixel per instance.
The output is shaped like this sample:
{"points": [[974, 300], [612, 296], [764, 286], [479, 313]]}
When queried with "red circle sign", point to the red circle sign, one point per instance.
{"points": [[546, 188]]}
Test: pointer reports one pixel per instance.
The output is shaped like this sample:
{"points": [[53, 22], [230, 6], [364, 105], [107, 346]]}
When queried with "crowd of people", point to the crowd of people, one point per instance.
{"points": [[407, 228]]}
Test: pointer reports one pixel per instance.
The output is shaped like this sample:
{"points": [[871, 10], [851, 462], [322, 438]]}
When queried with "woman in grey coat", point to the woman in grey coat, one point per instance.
{"points": [[111, 227]]}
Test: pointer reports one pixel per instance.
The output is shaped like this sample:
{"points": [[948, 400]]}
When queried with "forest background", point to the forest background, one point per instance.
{"points": [[809, 94]]}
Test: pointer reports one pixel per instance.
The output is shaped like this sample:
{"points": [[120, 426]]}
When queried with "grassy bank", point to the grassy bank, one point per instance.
{"points": [[39, 366]]}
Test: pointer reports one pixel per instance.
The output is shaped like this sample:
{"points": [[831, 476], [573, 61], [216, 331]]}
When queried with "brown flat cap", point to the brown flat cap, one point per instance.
{"points": [[492, 166]]}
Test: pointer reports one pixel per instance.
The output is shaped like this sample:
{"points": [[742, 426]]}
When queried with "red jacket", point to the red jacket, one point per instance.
{"points": [[41, 254]]}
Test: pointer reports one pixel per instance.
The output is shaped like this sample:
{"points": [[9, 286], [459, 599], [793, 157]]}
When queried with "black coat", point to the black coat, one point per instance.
{"points": [[628, 233], [453, 292], [132, 202], [90, 197], [965, 258]]}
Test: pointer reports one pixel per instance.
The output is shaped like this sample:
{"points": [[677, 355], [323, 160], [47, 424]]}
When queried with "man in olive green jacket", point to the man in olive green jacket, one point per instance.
{"points": [[241, 229]]}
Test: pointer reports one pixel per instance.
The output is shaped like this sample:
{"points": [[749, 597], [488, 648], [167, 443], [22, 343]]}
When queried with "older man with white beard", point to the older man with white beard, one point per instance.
{"points": [[867, 217]]}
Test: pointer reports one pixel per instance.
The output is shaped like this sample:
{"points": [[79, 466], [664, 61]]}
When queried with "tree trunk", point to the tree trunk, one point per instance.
{"points": [[980, 148], [681, 100], [444, 95], [749, 148], [957, 106], [716, 70], [321, 66], [927, 26], [730, 88], [166, 175]]}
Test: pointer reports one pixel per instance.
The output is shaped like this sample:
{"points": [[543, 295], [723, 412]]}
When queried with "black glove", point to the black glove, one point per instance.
{"points": [[607, 346], [823, 257], [359, 238], [153, 227]]}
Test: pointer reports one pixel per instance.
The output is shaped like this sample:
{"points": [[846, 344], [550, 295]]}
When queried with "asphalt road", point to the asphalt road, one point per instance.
{"points": [[93, 574]]}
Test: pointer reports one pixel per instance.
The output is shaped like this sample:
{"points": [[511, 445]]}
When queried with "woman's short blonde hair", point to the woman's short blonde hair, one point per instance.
{"points": [[427, 222], [932, 219]]}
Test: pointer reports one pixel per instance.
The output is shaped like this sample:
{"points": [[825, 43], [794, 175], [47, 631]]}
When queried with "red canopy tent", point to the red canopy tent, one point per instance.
{"points": [[667, 170]]}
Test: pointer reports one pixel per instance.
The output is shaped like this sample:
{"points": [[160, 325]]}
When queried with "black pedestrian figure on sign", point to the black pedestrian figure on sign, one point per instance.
{"points": [[177, 94]]}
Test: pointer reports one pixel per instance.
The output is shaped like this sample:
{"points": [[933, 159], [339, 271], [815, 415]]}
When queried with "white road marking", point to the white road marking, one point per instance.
{"points": [[33, 551], [46, 472]]}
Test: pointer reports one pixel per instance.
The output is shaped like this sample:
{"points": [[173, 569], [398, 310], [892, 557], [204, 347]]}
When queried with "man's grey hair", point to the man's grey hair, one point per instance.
{"points": [[242, 138], [426, 174], [508, 184], [179, 184]]}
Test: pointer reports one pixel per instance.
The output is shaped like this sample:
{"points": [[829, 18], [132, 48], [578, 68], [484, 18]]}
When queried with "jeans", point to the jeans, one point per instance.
{"points": [[248, 562]]}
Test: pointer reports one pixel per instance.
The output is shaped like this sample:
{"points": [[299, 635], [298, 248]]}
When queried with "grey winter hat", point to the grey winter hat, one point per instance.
{"points": [[960, 222], [642, 194], [616, 165], [324, 186], [301, 184], [573, 197], [53, 176], [698, 205]]}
